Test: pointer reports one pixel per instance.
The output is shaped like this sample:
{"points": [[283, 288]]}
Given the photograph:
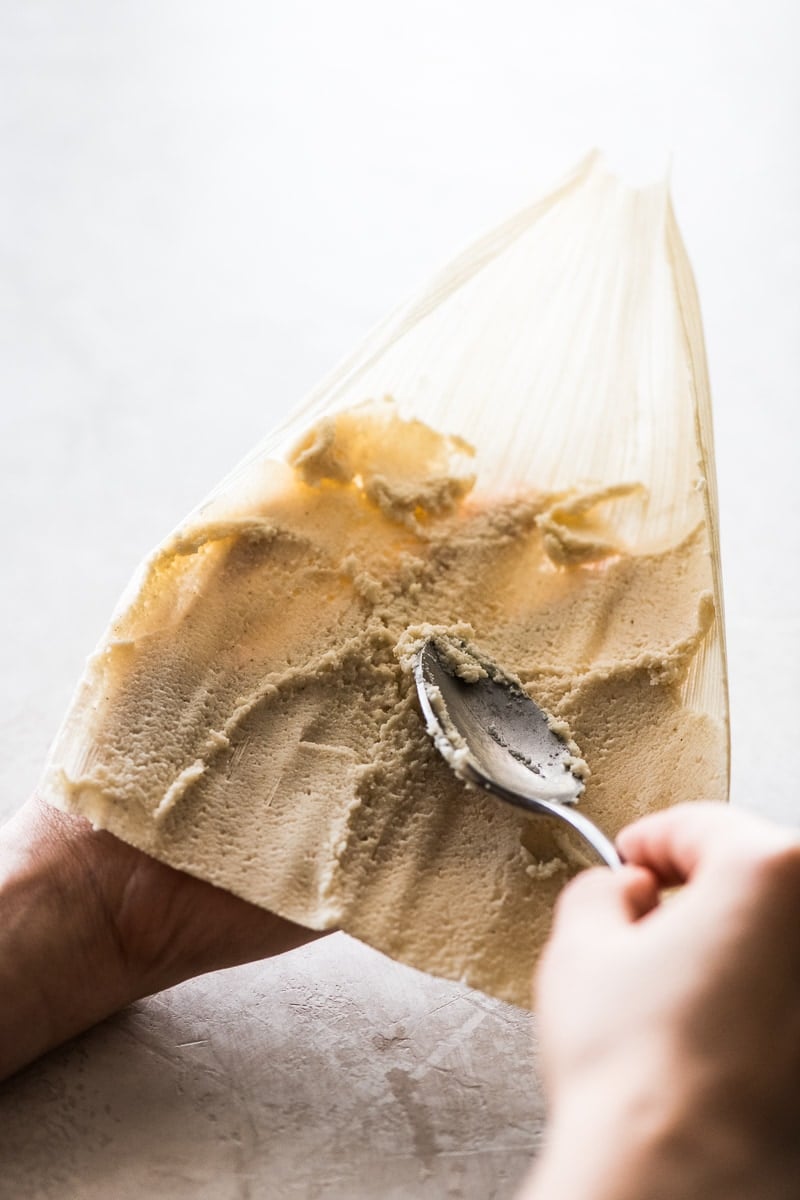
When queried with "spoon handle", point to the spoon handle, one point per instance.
{"points": [[587, 829], [603, 847]]}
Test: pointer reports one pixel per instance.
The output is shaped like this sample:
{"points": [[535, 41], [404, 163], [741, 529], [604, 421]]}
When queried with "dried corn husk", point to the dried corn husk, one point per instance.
{"points": [[549, 444]]}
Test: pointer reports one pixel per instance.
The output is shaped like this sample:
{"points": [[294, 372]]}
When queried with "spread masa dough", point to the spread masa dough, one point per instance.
{"points": [[250, 716], [254, 722]]}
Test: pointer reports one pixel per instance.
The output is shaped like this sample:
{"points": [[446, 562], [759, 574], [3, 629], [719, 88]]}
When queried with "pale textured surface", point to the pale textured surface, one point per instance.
{"points": [[164, 170], [333, 1074]]}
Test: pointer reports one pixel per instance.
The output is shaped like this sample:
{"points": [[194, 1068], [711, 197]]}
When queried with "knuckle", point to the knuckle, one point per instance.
{"points": [[578, 891], [777, 867], [785, 860]]}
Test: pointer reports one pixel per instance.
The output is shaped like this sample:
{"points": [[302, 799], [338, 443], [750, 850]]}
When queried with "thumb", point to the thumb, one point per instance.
{"points": [[601, 897], [676, 843]]}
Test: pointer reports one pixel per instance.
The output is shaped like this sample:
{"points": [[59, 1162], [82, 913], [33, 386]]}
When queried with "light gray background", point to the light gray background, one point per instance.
{"points": [[202, 207]]}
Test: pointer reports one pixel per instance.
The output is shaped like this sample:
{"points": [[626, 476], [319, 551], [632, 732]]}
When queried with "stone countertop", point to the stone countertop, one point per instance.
{"points": [[329, 1073], [203, 207]]}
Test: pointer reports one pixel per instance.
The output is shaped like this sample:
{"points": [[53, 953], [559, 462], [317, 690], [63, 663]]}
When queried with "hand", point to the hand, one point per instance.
{"points": [[89, 924], [671, 1029]]}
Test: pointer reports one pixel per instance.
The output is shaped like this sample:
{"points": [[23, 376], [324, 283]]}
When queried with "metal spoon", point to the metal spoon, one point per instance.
{"points": [[492, 734]]}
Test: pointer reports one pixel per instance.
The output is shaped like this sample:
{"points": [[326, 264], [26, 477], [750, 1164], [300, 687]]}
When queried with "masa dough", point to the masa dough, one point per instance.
{"points": [[249, 717]]}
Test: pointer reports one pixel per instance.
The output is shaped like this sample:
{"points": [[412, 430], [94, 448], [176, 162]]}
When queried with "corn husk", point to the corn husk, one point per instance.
{"points": [[565, 347]]}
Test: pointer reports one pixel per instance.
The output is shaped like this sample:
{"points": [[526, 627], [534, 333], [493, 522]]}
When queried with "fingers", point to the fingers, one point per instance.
{"points": [[606, 898], [677, 842]]}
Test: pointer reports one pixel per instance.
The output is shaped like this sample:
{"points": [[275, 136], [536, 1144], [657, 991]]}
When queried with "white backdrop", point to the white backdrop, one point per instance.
{"points": [[202, 207]]}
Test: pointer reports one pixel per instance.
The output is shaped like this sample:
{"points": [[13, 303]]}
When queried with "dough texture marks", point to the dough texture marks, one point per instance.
{"points": [[521, 457]]}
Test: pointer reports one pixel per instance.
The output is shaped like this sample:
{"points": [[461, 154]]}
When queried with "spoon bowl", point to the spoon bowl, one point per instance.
{"points": [[495, 737]]}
